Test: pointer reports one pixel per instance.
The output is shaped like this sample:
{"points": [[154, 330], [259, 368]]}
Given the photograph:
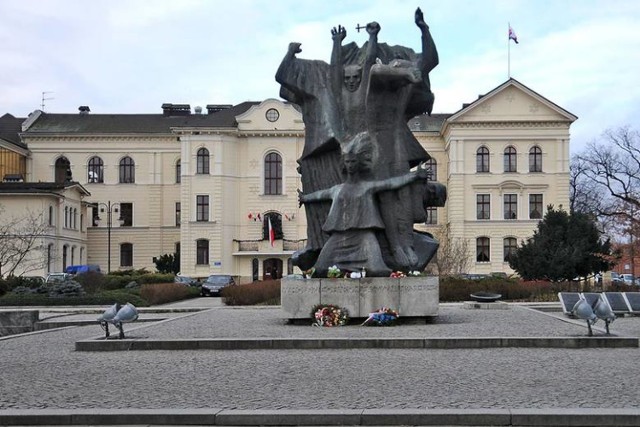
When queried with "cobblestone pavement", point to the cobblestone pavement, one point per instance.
{"points": [[42, 370]]}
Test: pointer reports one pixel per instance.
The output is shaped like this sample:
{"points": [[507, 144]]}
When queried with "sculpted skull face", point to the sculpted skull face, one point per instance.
{"points": [[352, 77]]}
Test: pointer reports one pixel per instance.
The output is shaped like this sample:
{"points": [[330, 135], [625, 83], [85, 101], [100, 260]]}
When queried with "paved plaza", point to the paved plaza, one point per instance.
{"points": [[43, 371]]}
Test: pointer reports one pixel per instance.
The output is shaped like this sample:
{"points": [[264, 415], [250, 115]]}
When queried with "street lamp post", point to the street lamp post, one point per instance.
{"points": [[109, 208]]}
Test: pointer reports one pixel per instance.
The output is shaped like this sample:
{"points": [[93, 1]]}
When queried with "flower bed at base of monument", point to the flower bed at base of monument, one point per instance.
{"points": [[411, 296]]}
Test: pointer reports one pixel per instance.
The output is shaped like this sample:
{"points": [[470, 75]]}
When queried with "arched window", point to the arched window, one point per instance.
{"points": [[178, 171], [49, 257], [510, 159], [127, 171], [535, 159], [432, 165], [65, 254], [482, 159], [66, 217], [50, 215], [510, 246], [202, 162], [276, 225], [202, 252], [62, 170], [273, 174], [255, 265], [126, 255], [73, 255], [482, 249], [95, 170]]}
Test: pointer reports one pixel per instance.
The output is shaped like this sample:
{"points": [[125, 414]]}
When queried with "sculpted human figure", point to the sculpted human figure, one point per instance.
{"points": [[354, 216], [373, 89]]}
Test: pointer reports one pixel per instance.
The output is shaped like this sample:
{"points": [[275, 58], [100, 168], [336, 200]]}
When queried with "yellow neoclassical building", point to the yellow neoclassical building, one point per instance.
{"points": [[207, 183]]}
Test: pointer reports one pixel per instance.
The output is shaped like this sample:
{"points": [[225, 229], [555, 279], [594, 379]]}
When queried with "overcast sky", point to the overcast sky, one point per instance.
{"points": [[132, 56]]}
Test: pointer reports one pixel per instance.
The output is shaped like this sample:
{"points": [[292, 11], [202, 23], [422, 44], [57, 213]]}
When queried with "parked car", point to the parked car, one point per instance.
{"points": [[616, 279], [629, 279], [78, 269], [186, 280], [214, 284], [57, 277]]}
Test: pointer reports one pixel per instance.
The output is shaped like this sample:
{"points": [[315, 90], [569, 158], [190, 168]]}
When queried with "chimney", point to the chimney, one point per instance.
{"points": [[214, 108], [169, 109], [84, 110]]}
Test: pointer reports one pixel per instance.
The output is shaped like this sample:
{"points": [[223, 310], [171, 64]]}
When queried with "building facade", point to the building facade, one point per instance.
{"points": [[210, 185]]}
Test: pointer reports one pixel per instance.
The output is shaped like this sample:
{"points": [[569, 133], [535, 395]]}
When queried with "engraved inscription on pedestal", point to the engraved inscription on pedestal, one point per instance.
{"points": [[411, 296], [378, 293], [299, 296], [419, 296], [341, 292]]}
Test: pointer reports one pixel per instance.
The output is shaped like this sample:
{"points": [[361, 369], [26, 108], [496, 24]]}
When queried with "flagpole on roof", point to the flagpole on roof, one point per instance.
{"points": [[509, 53]]}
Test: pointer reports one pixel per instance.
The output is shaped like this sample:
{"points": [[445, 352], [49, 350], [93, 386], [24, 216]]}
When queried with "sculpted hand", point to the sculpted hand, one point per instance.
{"points": [[419, 17], [373, 28], [300, 198], [294, 48], [423, 171], [338, 34]]}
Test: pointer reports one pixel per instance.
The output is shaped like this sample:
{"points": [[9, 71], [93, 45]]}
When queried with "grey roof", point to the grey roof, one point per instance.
{"points": [[432, 123], [133, 123], [10, 127], [39, 187]]}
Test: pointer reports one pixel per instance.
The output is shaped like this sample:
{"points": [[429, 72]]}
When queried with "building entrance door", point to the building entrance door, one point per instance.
{"points": [[271, 269]]}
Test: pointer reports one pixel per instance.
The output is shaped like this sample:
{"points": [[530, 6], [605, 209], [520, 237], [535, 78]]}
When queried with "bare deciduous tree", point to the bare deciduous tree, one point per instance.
{"points": [[21, 243], [454, 255], [606, 181]]}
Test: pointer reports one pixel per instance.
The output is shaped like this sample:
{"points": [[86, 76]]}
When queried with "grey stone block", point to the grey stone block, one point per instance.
{"points": [[341, 292], [437, 417], [299, 296], [575, 417], [292, 417], [17, 321]]}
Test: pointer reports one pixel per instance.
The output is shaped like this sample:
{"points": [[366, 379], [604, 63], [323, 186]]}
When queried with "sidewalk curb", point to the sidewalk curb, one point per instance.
{"points": [[355, 417], [356, 343]]}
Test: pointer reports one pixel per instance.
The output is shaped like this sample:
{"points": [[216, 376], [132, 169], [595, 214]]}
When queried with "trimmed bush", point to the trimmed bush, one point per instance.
{"points": [[160, 293], [101, 298], [265, 292]]}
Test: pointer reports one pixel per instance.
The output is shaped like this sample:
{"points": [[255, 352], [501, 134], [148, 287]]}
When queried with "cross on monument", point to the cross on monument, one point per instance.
{"points": [[360, 27]]}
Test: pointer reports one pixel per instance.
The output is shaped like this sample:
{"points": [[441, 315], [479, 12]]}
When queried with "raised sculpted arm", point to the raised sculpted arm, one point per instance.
{"points": [[429, 52], [337, 72]]}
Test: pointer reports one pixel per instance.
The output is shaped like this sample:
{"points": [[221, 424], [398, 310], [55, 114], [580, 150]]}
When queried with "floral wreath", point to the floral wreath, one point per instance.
{"points": [[383, 317], [329, 315]]}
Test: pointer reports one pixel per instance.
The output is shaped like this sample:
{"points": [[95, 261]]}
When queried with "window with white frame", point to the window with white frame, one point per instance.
{"points": [[510, 206], [202, 252], [535, 206], [510, 159], [510, 246], [535, 159], [483, 206], [482, 159], [202, 207], [202, 161], [273, 174], [483, 249]]}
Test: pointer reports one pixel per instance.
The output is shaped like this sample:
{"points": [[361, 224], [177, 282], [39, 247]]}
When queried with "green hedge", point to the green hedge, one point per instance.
{"points": [[100, 298], [265, 292]]}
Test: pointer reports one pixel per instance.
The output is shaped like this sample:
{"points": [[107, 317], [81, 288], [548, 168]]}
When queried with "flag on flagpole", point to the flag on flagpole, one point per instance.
{"points": [[512, 35], [272, 233]]}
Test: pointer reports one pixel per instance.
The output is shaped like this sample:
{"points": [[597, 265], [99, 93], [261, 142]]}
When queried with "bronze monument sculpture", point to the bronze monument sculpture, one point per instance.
{"points": [[360, 196]]}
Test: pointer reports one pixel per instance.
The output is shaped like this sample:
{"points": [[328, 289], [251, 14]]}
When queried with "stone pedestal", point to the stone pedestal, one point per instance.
{"points": [[411, 296]]}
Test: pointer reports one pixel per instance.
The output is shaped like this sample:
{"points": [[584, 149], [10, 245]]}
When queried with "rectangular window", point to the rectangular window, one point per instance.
{"points": [[432, 215], [510, 206], [202, 208], [202, 252], [95, 215], [178, 214], [126, 214], [126, 255], [483, 206], [535, 206], [482, 249]]}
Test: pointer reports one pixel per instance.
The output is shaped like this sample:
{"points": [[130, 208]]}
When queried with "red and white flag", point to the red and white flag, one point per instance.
{"points": [[512, 35], [272, 233]]}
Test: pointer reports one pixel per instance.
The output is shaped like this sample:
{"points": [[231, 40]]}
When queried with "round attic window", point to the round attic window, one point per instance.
{"points": [[272, 114]]}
